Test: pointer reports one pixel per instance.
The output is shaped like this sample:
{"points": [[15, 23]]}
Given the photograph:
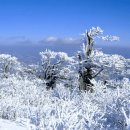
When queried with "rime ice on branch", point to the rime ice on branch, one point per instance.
{"points": [[86, 66], [8, 65], [53, 66]]}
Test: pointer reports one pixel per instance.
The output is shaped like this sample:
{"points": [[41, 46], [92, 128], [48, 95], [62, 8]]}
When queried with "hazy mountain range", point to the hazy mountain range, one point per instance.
{"points": [[30, 53]]}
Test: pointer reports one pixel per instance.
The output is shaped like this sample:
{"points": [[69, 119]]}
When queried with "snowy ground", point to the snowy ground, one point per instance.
{"points": [[9, 125]]}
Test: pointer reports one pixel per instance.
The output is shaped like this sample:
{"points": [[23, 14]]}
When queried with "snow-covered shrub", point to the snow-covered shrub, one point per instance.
{"points": [[115, 67], [58, 65], [105, 109], [23, 95], [8, 64]]}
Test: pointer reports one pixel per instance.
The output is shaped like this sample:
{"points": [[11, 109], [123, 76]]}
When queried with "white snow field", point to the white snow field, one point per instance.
{"points": [[9, 125]]}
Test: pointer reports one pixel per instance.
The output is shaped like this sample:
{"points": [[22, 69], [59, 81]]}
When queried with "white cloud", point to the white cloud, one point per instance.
{"points": [[71, 40], [15, 40], [51, 39], [21, 40], [56, 40], [110, 38]]}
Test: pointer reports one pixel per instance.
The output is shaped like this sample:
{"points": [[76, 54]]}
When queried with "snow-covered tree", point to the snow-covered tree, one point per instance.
{"points": [[87, 66], [56, 66], [8, 65]]}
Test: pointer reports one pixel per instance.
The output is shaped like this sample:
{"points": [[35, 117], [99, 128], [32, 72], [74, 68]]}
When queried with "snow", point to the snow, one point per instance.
{"points": [[11, 125], [23, 95], [26, 104]]}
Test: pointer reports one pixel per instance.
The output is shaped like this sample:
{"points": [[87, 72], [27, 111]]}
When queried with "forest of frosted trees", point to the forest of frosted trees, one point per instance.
{"points": [[54, 95]]}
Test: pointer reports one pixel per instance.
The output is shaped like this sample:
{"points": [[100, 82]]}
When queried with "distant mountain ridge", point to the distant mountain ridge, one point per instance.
{"points": [[31, 52]]}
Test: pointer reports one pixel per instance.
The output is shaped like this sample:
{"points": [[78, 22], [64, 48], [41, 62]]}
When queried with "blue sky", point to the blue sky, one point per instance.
{"points": [[37, 19]]}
